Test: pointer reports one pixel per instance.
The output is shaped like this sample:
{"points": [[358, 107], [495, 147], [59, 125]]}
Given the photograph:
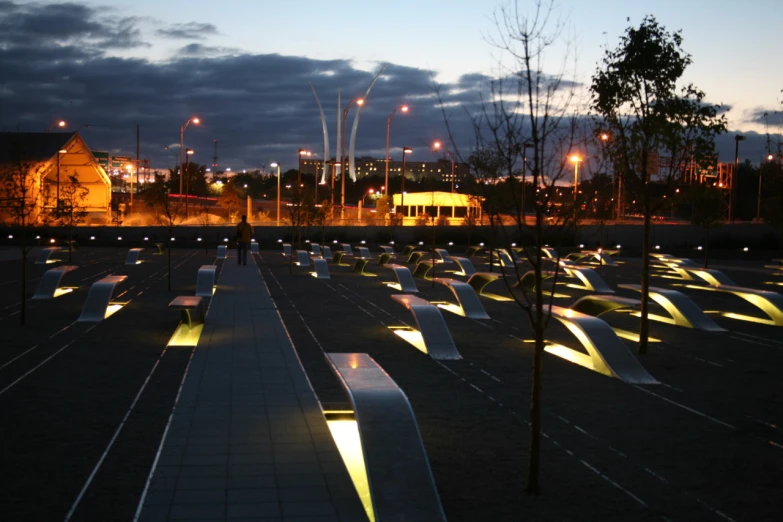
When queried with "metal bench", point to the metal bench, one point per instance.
{"points": [[408, 250], [606, 353], [416, 256], [388, 249], [363, 252], [550, 252], [466, 267], [423, 268], [347, 249], [473, 250], [254, 247], [205, 280], [133, 256], [480, 280], [315, 249], [321, 268], [710, 276], [432, 336], [360, 264], [442, 256], [501, 257], [771, 303], [681, 309], [338, 258], [327, 252], [590, 279], [776, 264], [395, 464], [405, 282], [191, 308], [592, 257], [597, 305], [98, 305], [468, 303], [49, 287], [45, 256], [287, 251], [222, 252], [302, 258], [161, 249], [385, 258]]}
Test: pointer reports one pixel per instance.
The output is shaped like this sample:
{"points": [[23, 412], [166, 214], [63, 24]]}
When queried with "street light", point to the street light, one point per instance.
{"points": [[405, 150], [188, 152], [60, 123], [278, 190], [182, 150], [300, 153], [59, 153], [359, 102], [403, 108], [525, 146], [437, 145], [575, 159]]}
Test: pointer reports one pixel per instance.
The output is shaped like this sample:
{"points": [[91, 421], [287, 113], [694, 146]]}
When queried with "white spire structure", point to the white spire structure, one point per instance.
{"points": [[352, 145], [325, 172]]}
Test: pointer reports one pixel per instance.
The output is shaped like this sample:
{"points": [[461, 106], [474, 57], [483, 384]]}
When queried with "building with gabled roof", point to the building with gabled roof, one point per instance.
{"points": [[50, 158]]}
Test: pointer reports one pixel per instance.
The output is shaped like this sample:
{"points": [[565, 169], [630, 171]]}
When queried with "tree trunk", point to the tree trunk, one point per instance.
{"points": [[168, 255], [706, 247], [644, 323], [534, 452], [23, 312]]}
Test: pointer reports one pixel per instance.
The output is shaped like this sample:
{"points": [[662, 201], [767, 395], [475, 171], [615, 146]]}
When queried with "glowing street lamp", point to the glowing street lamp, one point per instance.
{"points": [[59, 153], [576, 159], [300, 153], [402, 108], [59, 123], [437, 146], [182, 152], [359, 102], [273, 165]]}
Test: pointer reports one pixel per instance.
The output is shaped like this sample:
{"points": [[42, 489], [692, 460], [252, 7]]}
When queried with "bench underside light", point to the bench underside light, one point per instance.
{"points": [[410, 335], [185, 336], [345, 432]]}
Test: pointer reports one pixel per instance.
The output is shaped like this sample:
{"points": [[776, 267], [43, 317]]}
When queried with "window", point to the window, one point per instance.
{"points": [[460, 212], [431, 211], [446, 211]]}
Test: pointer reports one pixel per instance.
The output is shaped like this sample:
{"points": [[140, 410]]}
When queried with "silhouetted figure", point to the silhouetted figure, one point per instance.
{"points": [[244, 233]]}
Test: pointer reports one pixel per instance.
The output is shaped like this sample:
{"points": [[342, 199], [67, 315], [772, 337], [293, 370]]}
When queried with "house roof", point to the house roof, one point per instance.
{"points": [[32, 146], [437, 198]]}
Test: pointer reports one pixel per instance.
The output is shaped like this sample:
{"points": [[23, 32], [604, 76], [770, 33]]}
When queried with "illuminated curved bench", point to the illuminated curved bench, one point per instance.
{"points": [[385, 258], [393, 475], [347, 249], [205, 280], [98, 305], [222, 252], [49, 287], [480, 280], [132, 258], [161, 249], [593, 256], [432, 336], [302, 258], [387, 249], [468, 303], [501, 257], [473, 250], [45, 256], [682, 310], [771, 303], [466, 267], [363, 252], [338, 256], [607, 354], [415, 256], [191, 309], [408, 250], [254, 247], [423, 268], [710, 276], [597, 305], [442, 256], [405, 282], [550, 252], [590, 279], [315, 249], [327, 252], [287, 251], [321, 268]]}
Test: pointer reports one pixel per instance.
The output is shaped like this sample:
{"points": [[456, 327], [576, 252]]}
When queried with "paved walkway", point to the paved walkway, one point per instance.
{"points": [[247, 440]]}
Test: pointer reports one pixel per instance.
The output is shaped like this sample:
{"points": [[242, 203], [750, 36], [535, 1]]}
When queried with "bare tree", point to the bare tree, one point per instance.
{"points": [[71, 209], [165, 212], [21, 182], [526, 109]]}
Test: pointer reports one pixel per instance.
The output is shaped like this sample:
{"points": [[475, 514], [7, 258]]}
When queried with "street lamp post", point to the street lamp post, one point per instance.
{"points": [[59, 123], [300, 153], [576, 159], [334, 165], [525, 146], [405, 150], [278, 190], [403, 108], [182, 150], [59, 154], [770, 157], [188, 152], [437, 145], [360, 102], [734, 177]]}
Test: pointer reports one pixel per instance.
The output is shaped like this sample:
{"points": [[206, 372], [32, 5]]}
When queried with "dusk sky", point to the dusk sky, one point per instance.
{"points": [[243, 67]]}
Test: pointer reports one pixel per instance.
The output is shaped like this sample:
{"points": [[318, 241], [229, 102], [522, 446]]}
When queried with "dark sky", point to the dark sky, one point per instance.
{"points": [[64, 61]]}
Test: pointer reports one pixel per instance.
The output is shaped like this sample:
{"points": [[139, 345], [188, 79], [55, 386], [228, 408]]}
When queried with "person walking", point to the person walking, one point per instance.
{"points": [[244, 233]]}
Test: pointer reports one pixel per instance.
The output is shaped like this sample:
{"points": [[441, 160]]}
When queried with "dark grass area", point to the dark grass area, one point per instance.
{"points": [[704, 445]]}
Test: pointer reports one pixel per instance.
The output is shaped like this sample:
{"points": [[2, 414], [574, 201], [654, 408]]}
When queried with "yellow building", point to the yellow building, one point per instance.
{"points": [[455, 207], [46, 161]]}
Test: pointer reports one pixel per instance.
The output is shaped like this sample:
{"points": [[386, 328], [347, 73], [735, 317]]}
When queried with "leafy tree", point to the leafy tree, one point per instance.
{"points": [[21, 181], [229, 199], [648, 115], [324, 214]]}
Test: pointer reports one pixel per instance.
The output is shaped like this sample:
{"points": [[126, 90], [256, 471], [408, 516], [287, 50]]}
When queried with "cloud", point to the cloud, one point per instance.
{"points": [[772, 116], [188, 31], [199, 50]]}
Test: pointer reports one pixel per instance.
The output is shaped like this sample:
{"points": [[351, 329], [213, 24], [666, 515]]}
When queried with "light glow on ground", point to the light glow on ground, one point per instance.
{"points": [[345, 433], [184, 336], [63, 290], [112, 309], [412, 336]]}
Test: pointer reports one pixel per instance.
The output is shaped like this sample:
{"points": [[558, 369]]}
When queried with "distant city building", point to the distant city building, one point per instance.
{"points": [[415, 170]]}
